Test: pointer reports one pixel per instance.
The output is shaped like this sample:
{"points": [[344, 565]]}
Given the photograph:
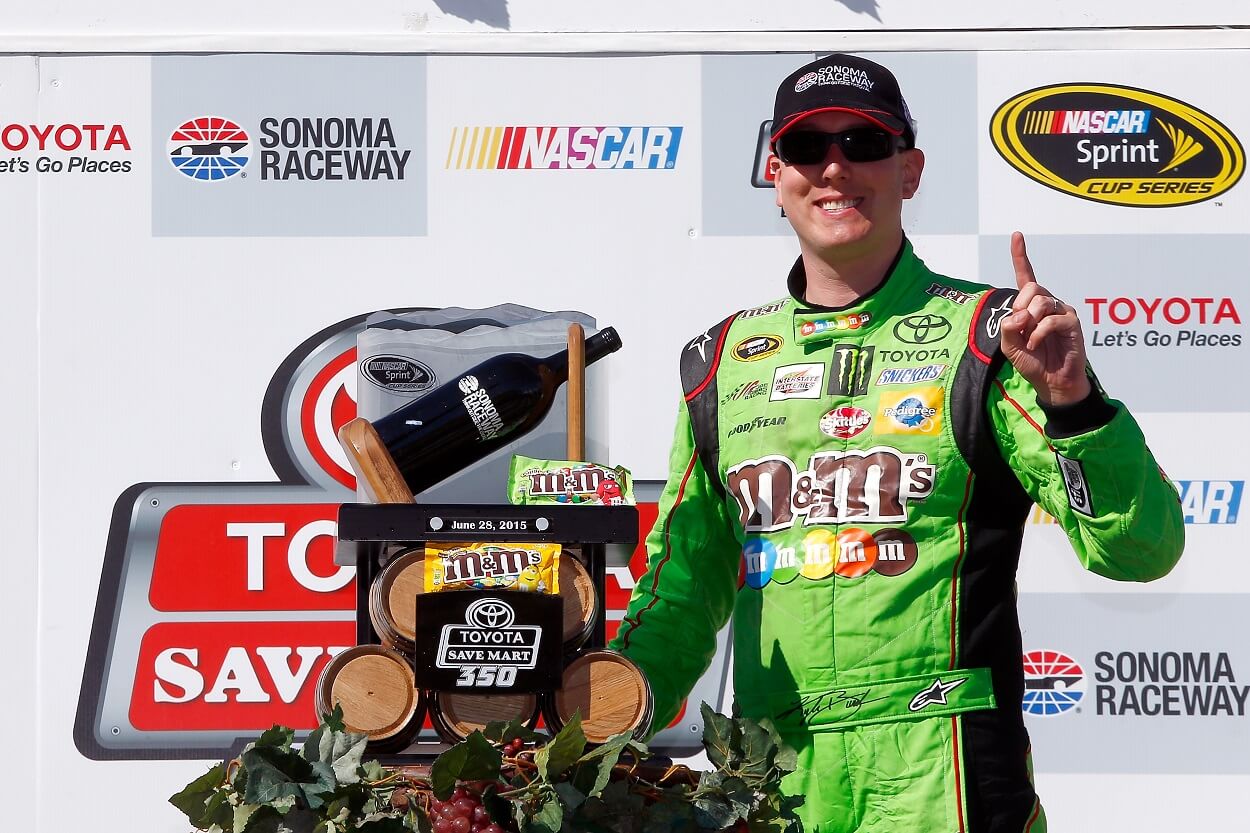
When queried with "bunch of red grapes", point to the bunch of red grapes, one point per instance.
{"points": [[462, 813]]}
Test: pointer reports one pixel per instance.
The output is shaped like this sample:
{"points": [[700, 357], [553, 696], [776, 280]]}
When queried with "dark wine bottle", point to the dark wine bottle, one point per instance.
{"points": [[483, 409]]}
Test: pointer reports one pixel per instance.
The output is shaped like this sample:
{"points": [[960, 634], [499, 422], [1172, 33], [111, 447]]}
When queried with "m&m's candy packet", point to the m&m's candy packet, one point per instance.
{"points": [[533, 481], [531, 567]]}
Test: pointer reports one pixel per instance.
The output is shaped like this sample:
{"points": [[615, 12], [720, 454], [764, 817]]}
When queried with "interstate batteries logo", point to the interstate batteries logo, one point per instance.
{"points": [[1117, 145], [209, 148], [563, 148]]}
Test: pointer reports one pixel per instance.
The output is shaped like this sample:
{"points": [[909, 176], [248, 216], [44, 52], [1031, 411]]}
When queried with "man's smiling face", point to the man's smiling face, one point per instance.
{"points": [[842, 210]]}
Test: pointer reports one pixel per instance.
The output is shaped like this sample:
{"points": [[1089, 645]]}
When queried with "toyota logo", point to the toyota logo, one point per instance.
{"points": [[490, 614], [922, 329]]}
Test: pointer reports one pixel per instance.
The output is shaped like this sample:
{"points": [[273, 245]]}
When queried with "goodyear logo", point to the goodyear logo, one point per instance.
{"points": [[1118, 145], [589, 148]]}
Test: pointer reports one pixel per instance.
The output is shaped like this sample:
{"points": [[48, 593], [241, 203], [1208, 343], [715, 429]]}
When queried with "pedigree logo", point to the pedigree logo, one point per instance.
{"points": [[1117, 145]]}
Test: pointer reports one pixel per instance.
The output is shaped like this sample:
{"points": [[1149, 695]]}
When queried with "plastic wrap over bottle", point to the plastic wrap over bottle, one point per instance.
{"points": [[399, 364]]}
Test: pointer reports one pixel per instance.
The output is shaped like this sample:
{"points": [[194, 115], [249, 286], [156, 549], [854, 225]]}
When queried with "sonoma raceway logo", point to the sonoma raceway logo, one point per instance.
{"points": [[1054, 683], [1136, 683], [209, 148], [213, 148]]}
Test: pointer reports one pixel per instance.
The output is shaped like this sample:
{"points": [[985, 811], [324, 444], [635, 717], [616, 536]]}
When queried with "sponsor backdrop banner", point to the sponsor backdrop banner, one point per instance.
{"points": [[206, 233]]}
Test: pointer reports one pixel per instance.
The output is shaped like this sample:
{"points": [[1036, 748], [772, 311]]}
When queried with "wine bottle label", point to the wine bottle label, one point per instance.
{"points": [[533, 481], [531, 567], [481, 409]]}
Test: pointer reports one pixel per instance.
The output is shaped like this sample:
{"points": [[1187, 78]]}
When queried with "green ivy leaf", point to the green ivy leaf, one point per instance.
{"points": [[193, 798], [570, 796], [718, 737], [714, 813], [473, 759], [549, 818], [418, 822], [600, 760], [274, 772], [786, 759], [499, 809], [670, 816], [741, 797], [620, 801], [341, 750], [219, 811], [298, 821], [563, 750], [322, 788], [384, 824], [758, 750], [334, 720], [372, 771], [502, 731], [263, 819], [276, 736], [241, 814], [775, 813]]}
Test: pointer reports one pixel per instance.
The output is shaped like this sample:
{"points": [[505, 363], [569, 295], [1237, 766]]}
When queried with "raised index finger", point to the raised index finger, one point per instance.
{"points": [[1020, 260]]}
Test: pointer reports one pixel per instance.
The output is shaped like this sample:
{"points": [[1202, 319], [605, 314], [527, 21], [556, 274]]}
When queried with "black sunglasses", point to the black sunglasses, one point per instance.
{"points": [[859, 144]]}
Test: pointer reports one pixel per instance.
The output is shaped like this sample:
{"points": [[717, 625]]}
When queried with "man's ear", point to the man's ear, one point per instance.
{"points": [[913, 167], [774, 167]]}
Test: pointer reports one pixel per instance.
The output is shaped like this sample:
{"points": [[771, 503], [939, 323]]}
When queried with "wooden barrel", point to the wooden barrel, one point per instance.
{"points": [[581, 601], [456, 714], [608, 690], [375, 687], [392, 600]]}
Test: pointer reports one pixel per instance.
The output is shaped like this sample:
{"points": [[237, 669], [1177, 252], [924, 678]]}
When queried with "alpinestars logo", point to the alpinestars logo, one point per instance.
{"points": [[935, 695]]}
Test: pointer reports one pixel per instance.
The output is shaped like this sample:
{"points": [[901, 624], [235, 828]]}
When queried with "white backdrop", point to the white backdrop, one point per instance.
{"points": [[145, 320]]}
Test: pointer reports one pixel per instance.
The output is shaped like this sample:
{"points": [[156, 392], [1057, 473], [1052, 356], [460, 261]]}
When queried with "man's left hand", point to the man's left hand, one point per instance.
{"points": [[1042, 337]]}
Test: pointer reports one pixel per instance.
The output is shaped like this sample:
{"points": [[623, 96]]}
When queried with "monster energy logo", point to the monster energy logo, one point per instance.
{"points": [[852, 368]]}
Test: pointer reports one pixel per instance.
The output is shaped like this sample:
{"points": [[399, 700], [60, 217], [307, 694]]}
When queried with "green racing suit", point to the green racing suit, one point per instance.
{"points": [[851, 485]]}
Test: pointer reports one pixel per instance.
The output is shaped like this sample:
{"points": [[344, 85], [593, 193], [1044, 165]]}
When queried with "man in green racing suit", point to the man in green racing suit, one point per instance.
{"points": [[850, 477]]}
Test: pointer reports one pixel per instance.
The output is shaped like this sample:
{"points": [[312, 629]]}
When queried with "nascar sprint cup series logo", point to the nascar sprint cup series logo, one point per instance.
{"points": [[1117, 145]]}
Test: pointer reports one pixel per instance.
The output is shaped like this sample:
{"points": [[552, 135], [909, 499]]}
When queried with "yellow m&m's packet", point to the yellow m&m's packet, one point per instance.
{"points": [[498, 566]]}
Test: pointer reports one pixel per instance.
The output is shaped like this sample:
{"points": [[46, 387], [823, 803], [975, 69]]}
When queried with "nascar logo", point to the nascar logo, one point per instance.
{"points": [[1210, 501], [577, 148], [1086, 121], [1053, 683]]}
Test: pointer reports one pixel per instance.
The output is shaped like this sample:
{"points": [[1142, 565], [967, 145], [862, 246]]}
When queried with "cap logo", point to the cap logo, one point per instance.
{"points": [[835, 74]]}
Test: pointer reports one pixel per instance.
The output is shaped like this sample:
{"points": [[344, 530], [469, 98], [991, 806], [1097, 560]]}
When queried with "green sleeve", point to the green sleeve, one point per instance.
{"points": [[688, 591], [1118, 508]]}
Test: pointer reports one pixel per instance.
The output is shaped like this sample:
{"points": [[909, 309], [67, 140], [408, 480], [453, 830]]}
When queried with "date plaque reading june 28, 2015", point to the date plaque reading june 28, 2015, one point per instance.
{"points": [[489, 641], [488, 525]]}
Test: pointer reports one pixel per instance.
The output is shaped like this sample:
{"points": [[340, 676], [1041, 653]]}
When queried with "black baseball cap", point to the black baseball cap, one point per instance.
{"points": [[843, 83]]}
